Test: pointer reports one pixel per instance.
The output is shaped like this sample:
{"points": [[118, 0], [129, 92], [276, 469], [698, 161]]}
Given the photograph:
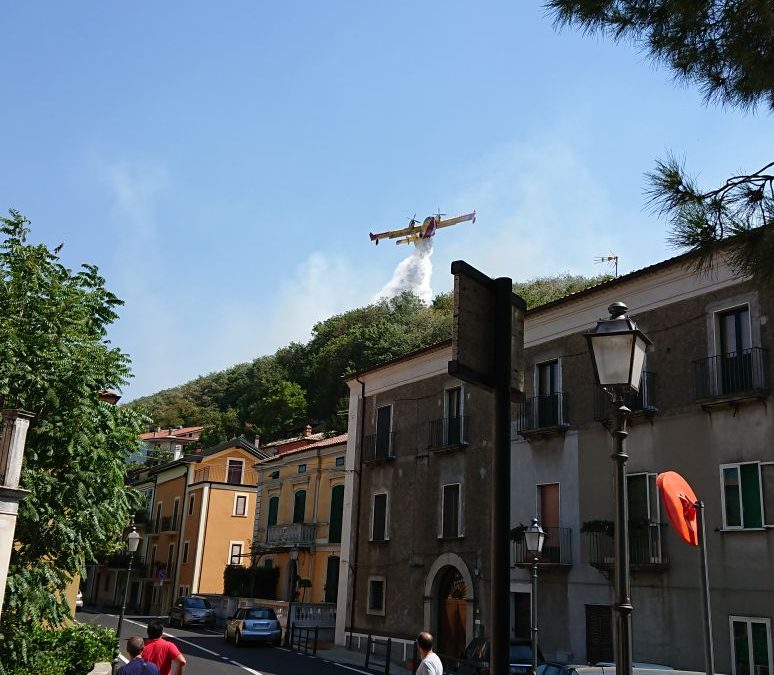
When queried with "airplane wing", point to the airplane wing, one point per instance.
{"points": [[458, 219], [393, 234]]}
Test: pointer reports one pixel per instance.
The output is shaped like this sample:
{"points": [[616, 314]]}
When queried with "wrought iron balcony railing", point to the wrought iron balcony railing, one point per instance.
{"points": [[646, 547], [379, 446], [449, 431], [120, 561], [542, 412], [222, 474], [168, 524], [732, 374], [557, 548], [287, 535], [643, 400]]}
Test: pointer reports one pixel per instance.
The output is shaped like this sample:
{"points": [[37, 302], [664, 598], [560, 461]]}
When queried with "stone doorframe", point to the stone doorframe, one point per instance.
{"points": [[432, 581]]}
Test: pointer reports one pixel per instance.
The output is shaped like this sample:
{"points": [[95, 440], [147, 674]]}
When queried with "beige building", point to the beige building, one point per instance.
{"points": [[198, 521], [299, 515]]}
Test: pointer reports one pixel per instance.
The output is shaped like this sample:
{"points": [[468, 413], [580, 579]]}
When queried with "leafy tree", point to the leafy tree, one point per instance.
{"points": [[541, 290], [55, 359], [726, 47]]}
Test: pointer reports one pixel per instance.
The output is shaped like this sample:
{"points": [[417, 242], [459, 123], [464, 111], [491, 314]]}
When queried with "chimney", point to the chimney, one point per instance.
{"points": [[308, 430]]}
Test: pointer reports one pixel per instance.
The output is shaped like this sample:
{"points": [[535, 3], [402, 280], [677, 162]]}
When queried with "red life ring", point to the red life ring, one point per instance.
{"points": [[679, 500]]}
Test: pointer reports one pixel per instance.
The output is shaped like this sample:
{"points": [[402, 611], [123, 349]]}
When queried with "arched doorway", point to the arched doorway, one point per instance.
{"points": [[452, 613], [449, 603]]}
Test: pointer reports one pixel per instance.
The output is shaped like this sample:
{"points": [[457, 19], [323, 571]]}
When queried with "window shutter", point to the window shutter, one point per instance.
{"points": [[380, 517], [767, 483], [273, 509], [337, 512], [299, 507], [451, 509], [751, 495]]}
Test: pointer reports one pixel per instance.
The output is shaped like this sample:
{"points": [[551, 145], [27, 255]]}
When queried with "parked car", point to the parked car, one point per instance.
{"points": [[79, 600], [253, 624], [475, 658], [601, 668], [191, 610]]}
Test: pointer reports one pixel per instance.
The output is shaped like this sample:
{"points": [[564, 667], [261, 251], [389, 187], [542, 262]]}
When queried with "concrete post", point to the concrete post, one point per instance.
{"points": [[15, 425]]}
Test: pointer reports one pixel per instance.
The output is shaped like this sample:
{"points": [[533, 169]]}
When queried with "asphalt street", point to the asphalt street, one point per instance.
{"points": [[208, 654]]}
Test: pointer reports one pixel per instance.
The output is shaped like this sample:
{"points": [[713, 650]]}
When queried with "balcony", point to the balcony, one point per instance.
{"points": [[542, 414], [379, 447], [168, 524], [220, 474], [290, 535], [646, 548], [449, 432], [557, 549], [642, 401], [120, 561], [733, 376]]}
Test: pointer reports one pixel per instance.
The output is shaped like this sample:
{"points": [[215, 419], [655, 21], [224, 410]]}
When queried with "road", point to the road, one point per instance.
{"points": [[208, 654]]}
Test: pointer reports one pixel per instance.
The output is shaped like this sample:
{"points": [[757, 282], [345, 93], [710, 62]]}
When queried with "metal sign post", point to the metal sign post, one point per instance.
{"points": [[488, 350]]}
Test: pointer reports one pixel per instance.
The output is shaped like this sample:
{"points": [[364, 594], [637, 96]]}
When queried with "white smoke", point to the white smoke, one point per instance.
{"points": [[412, 274]]}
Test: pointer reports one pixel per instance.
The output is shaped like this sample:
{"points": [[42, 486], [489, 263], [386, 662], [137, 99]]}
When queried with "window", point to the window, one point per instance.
{"points": [[644, 518], [235, 553], [450, 511], [299, 506], [337, 512], [157, 524], [548, 395], [549, 515], [453, 406], [274, 475], [153, 554], [273, 511], [751, 644], [170, 557], [747, 491], [376, 595], [191, 499], [234, 471], [185, 551], [332, 578], [240, 505], [735, 343], [339, 462], [302, 468], [384, 431], [379, 518], [175, 511]]}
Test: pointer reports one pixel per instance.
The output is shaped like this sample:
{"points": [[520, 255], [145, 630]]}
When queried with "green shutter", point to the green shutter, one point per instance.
{"points": [[732, 497], [273, 510], [337, 512], [299, 507], [751, 495]]}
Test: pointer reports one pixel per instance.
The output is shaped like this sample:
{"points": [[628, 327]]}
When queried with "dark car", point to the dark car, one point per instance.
{"points": [[475, 658], [253, 624], [191, 610]]}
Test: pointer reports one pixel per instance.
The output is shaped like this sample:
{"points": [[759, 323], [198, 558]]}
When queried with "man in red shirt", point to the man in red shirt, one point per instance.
{"points": [[162, 652]]}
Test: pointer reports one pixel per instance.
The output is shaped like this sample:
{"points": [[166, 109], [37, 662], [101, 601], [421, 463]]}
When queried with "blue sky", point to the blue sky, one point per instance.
{"points": [[223, 163]]}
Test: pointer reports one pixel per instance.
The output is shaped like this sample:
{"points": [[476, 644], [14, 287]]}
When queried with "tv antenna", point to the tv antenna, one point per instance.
{"points": [[610, 259]]}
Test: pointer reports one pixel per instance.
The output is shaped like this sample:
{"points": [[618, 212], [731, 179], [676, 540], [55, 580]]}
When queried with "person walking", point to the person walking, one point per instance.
{"points": [[431, 664], [163, 653], [137, 664]]}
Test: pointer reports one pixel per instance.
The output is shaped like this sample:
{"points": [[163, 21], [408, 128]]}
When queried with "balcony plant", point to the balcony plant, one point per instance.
{"points": [[603, 526]]}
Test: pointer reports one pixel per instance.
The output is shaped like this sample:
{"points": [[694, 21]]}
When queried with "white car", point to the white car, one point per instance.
{"points": [[253, 624]]}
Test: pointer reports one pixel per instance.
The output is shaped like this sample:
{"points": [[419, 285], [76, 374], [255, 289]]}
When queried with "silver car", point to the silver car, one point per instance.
{"points": [[192, 611], [253, 624]]}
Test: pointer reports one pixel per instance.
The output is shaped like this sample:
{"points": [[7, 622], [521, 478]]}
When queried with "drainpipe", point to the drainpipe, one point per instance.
{"points": [[359, 476]]}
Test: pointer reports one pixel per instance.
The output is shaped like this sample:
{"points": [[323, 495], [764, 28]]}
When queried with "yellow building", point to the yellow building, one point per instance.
{"points": [[298, 518], [198, 516]]}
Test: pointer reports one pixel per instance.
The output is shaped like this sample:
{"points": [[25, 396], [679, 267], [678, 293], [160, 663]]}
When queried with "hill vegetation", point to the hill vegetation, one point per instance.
{"points": [[303, 383]]}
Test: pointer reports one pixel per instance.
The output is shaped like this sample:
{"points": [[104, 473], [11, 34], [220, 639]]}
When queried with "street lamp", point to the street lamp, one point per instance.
{"points": [[618, 353], [132, 542], [534, 536], [293, 581]]}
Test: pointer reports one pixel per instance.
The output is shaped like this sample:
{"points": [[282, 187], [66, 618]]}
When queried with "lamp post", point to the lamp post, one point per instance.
{"points": [[617, 349], [132, 542], [293, 581], [534, 536]]}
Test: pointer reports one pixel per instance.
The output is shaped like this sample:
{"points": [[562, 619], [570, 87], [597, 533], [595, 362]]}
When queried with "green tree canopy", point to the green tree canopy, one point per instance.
{"points": [[55, 360], [726, 48]]}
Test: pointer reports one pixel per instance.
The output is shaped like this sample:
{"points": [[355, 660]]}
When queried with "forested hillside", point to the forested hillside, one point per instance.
{"points": [[275, 395]]}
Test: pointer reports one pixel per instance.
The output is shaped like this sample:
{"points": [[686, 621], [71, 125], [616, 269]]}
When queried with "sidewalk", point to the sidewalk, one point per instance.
{"points": [[351, 657]]}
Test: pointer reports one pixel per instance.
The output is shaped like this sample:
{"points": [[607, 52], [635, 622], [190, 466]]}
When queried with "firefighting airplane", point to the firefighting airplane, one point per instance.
{"points": [[416, 231]]}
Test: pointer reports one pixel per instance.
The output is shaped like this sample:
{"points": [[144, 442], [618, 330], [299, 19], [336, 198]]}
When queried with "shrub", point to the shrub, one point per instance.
{"points": [[65, 651]]}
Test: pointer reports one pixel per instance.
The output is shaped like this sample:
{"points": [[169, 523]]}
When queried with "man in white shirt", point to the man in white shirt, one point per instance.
{"points": [[431, 664]]}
